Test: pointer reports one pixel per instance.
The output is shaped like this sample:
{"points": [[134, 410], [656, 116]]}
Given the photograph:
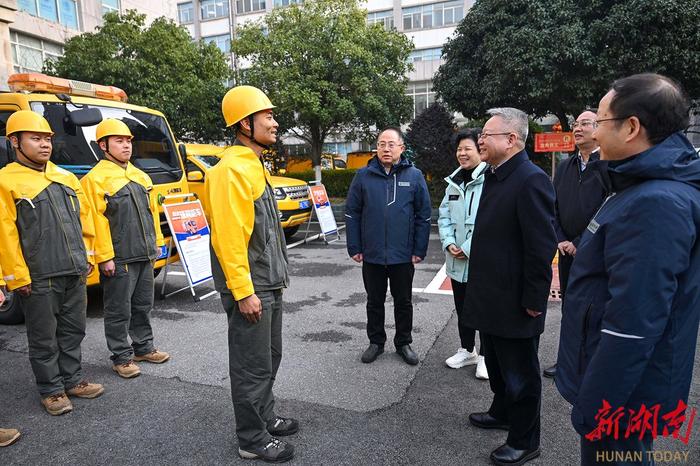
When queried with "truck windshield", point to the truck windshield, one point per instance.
{"points": [[208, 160], [75, 149]]}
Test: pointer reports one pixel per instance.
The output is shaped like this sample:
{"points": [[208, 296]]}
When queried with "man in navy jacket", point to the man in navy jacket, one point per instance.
{"points": [[632, 308], [581, 185], [387, 214], [510, 274]]}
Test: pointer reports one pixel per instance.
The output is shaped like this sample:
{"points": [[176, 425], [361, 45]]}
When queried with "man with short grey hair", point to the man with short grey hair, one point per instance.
{"points": [[509, 279], [514, 119]]}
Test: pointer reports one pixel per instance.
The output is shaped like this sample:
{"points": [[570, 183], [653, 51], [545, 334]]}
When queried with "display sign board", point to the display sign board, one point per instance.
{"points": [[191, 234], [554, 142], [322, 207]]}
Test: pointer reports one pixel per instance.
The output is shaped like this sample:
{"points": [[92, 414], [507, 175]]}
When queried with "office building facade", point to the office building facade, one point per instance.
{"points": [[33, 31]]}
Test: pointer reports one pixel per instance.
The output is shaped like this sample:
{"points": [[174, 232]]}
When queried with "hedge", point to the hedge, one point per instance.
{"points": [[337, 182]]}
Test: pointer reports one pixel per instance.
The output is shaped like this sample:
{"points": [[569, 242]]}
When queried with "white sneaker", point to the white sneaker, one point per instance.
{"points": [[462, 358], [481, 372]]}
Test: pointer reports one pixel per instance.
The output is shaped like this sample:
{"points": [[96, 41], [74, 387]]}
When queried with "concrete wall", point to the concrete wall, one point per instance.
{"points": [[8, 13]]}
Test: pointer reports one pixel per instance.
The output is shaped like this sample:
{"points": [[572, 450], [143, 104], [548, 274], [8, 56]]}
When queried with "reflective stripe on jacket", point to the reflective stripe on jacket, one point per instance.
{"points": [[127, 220], [250, 253], [457, 218], [44, 232]]}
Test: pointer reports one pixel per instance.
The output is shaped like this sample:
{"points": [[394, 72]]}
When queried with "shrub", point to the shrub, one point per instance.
{"points": [[337, 182]]}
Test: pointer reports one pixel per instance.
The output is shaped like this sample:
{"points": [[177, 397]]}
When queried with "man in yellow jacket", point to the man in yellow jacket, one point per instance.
{"points": [[127, 243], [46, 247], [249, 264], [7, 436]]}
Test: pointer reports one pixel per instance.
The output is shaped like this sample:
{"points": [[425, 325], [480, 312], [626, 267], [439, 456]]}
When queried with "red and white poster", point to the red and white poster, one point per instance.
{"points": [[322, 206], [190, 231]]}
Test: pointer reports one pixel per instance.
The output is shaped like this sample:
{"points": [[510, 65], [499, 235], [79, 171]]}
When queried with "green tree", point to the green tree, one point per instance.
{"points": [[560, 56], [327, 71], [158, 66], [430, 139]]}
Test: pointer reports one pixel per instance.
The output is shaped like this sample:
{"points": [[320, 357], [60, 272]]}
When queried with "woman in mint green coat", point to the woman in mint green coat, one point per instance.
{"points": [[458, 211]]}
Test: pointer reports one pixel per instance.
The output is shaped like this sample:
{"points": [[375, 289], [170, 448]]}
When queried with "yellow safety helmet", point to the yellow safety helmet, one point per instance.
{"points": [[242, 101], [112, 127], [27, 120]]}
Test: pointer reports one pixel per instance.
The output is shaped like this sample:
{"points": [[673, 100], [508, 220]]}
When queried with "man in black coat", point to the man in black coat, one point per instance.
{"points": [[581, 184], [510, 276]]}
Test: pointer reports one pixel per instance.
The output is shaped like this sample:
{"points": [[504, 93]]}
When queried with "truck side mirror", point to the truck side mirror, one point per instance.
{"points": [[183, 153], [195, 176]]}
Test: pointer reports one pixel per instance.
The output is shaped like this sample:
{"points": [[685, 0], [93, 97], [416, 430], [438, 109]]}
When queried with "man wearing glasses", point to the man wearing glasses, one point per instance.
{"points": [[629, 332], [387, 214], [510, 275], [581, 184]]}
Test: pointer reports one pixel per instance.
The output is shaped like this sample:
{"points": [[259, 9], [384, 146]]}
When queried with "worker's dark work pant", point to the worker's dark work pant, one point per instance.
{"points": [[128, 300], [254, 355], [400, 278], [55, 320]]}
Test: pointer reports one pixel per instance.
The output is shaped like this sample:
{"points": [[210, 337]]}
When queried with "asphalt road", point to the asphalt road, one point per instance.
{"points": [[351, 413]]}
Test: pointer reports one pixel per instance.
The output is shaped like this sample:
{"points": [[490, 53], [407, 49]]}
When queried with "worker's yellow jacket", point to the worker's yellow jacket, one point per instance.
{"points": [[250, 253], [127, 220], [46, 228]]}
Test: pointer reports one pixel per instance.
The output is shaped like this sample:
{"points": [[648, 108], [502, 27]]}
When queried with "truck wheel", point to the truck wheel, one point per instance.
{"points": [[11, 310], [289, 232]]}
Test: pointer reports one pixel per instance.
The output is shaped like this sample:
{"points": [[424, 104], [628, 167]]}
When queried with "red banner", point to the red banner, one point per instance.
{"points": [[554, 142]]}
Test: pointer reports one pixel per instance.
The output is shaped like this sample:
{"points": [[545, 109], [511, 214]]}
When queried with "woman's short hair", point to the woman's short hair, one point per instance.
{"points": [[465, 133]]}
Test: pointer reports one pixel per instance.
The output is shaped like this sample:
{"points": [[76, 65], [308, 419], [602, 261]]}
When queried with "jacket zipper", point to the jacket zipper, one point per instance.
{"points": [[471, 200], [584, 335]]}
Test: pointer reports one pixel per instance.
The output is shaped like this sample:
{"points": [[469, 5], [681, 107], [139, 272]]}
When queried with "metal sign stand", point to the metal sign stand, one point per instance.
{"points": [[189, 286], [313, 213]]}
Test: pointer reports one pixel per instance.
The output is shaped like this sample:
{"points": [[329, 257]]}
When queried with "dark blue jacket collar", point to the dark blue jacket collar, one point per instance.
{"points": [[375, 166], [510, 165], [674, 158]]}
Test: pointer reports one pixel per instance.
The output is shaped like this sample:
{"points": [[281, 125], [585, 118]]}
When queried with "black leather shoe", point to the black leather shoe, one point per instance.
{"points": [[371, 353], [505, 455], [486, 421], [280, 426], [407, 354], [550, 371]]}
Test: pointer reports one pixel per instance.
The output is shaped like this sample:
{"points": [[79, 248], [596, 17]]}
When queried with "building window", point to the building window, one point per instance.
{"points": [[185, 12], [246, 6], [110, 5], [30, 53], [287, 2], [29, 6], [213, 8], [223, 42], [57, 11], [341, 148], [68, 13], [425, 54], [422, 94], [385, 18], [297, 149], [433, 16]]}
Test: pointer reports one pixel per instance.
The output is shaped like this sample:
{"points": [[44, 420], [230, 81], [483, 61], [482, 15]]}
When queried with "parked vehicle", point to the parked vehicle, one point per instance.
{"points": [[73, 109], [292, 195]]}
